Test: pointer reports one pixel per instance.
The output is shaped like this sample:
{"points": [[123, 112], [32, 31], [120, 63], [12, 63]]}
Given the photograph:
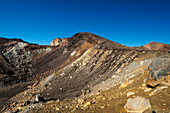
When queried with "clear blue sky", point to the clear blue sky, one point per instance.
{"points": [[129, 22]]}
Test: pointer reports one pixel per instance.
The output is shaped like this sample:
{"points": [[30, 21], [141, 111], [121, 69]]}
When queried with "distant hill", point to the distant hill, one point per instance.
{"points": [[157, 46]]}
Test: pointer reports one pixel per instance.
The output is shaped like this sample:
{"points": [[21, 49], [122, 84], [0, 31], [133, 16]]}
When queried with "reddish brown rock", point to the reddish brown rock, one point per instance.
{"points": [[59, 42], [157, 46], [56, 42]]}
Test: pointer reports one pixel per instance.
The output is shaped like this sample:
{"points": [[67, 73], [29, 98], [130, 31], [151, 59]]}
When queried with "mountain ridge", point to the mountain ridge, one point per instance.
{"points": [[77, 67], [146, 46]]}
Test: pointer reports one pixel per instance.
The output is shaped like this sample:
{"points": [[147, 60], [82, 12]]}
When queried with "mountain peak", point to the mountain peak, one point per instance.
{"points": [[87, 37]]}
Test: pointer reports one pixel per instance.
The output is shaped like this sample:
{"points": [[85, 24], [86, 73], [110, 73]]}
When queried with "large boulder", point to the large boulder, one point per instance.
{"points": [[137, 105], [159, 72]]}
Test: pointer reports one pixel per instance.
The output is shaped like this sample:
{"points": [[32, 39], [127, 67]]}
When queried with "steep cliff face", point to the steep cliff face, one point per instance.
{"points": [[81, 41], [77, 67], [18, 57]]}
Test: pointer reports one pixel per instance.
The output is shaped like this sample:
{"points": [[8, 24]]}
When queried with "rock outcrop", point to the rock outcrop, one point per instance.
{"points": [[59, 42]]}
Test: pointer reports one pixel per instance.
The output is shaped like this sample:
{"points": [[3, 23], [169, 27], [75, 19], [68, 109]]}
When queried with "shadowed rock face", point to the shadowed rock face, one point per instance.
{"points": [[17, 59], [82, 64]]}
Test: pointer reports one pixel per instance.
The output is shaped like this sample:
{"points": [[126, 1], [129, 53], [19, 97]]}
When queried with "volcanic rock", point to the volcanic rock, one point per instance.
{"points": [[137, 105]]}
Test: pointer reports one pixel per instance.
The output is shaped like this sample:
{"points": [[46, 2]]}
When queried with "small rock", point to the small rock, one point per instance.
{"points": [[118, 71], [147, 89], [19, 108], [36, 98], [57, 108], [114, 76], [143, 85], [80, 101], [87, 104], [51, 101], [103, 98], [159, 88], [137, 105], [141, 62], [58, 100], [88, 91], [123, 65], [124, 84], [135, 58], [131, 76], [162, 87], [110, 98], [72, 64], [152, 83], [145, 80], [131, 81], [29, 87], [130, 93], [84, 64], [100, 75], [98, 97], [73, 53], [102, 107]]}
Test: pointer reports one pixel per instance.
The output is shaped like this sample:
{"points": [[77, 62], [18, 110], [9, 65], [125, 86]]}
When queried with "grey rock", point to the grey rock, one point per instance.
{"points": [[160, 67], [137, 105]]}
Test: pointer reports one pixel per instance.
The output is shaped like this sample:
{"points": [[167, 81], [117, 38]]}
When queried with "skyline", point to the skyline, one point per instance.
{"points": [[131, 23]]}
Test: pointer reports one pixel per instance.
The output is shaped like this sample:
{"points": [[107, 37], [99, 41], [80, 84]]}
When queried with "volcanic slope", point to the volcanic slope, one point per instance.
{"points": [[80, 68]]}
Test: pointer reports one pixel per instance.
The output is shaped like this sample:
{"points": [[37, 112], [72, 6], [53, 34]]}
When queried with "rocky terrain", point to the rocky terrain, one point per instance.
{"points": [[84, 73]]}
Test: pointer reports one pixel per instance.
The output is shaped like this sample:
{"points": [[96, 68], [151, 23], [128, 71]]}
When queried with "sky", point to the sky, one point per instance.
{"points": [[129, 22]]}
